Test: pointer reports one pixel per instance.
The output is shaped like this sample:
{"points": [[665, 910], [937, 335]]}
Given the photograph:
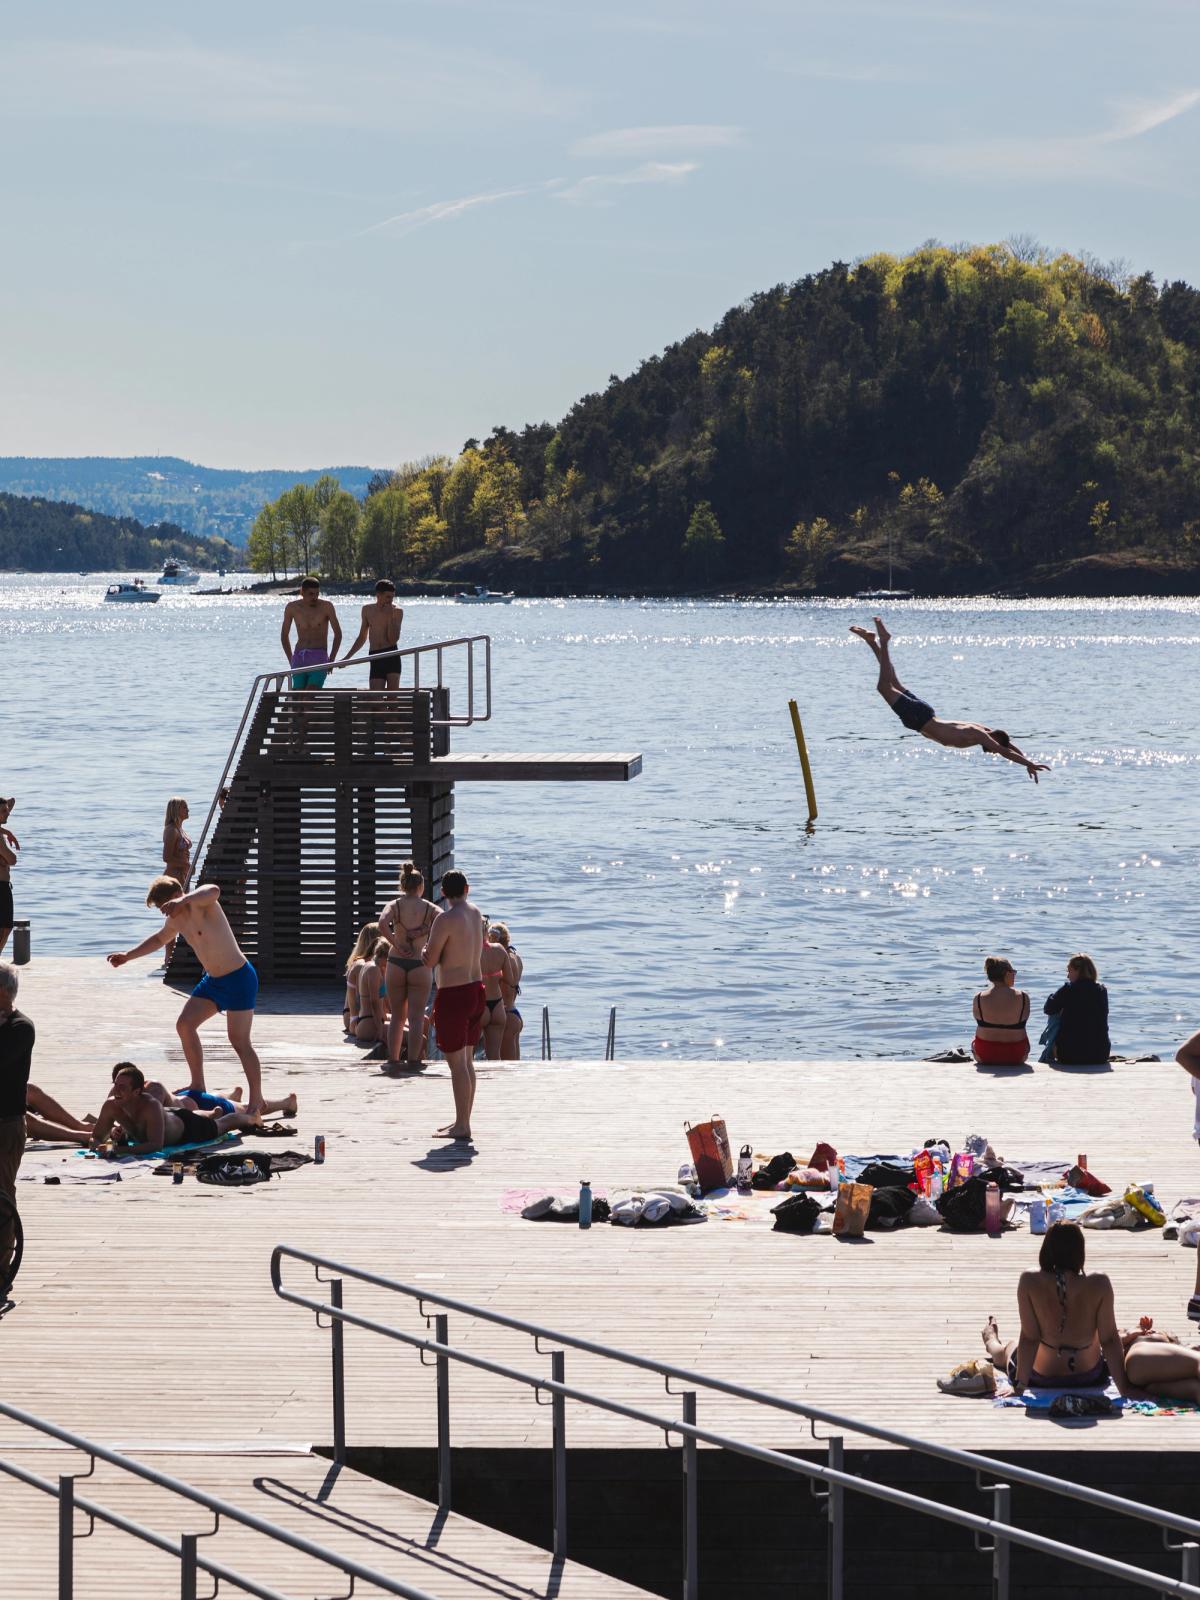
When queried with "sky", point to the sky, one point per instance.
{"points": [[272, 234]]}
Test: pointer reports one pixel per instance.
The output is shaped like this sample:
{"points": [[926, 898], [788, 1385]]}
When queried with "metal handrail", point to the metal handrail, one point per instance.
{"points": [[982, 1465], [186, 1549], [415, 652]]}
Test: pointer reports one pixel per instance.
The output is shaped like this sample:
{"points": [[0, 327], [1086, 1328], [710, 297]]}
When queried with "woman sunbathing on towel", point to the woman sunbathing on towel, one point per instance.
{"points": [[920, 717], [1069, 1336]]}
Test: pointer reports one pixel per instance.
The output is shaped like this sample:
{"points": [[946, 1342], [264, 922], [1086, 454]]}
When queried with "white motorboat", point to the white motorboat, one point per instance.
{"points": [[134, 593], [883, 594], [479, 596], [174, 573]]}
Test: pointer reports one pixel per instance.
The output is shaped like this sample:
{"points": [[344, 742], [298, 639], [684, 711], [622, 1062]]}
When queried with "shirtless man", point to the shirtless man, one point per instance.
{"points": [[920, 717], [381, 624], [147, 1125], [229, 984], [8, 859], [312, 619], [455, 943]]}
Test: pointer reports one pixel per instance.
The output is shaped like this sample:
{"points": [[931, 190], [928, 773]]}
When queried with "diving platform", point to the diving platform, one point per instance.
{"points": [[329, 790]]}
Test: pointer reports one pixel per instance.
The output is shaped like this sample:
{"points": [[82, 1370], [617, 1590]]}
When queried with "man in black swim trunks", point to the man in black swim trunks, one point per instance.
{"points": [[147, 1126], [921, 718], [381, 624]]}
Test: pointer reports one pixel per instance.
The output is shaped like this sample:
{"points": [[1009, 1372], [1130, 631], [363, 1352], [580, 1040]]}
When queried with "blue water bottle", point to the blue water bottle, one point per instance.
{"points": [[585, 1204]]}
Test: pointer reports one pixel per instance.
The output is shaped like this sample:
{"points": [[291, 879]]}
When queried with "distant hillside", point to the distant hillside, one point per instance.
{"points": [[209, 501], [55, 536]]}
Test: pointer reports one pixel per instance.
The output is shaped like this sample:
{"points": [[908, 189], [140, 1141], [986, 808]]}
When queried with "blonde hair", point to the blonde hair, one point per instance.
{"points": [[382, 948], [1084, 966], [163, 889], [411, 877], [498, 934], [175, 806], [367, 936]]}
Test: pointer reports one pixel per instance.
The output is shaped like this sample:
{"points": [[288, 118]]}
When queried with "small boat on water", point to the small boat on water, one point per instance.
{"points": [[480, 596], [173, 572], [884, 594], [134, 593]]}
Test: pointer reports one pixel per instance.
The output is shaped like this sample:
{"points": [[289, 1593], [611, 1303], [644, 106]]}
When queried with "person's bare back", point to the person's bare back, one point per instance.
{"points": [[455, 945]]}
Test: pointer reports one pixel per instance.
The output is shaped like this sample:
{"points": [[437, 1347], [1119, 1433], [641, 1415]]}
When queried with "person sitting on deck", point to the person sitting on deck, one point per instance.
{"points": [[146, 1125], [45, 1118], [368, 936], [920, 717], [1001, 1012], [1081, 1005], [372, 1022], [1069, 1336]]}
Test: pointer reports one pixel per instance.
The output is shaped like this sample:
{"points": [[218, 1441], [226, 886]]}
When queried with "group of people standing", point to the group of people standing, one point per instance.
{"points": [[1076, 1035]]}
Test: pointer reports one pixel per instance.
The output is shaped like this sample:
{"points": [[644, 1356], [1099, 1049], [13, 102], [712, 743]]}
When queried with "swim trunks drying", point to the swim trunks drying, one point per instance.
{"points": [[913, 713], [236, 991], [458, 1015], [309, 658]]}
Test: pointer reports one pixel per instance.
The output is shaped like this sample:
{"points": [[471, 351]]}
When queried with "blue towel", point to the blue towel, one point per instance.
{"points": [[1048, 1035], [174, 1149]]}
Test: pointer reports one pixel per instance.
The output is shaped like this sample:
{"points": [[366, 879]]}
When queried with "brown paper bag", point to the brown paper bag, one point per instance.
{"points": [[850, 1213]]}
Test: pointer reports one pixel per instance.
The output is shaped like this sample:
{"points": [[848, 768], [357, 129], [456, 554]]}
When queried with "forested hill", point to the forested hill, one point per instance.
{"points": [[201, 500], [990, 410], [53, 536]]}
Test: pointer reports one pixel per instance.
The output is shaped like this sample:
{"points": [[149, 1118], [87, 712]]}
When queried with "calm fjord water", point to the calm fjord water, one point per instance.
{"points": [[692, 899]]}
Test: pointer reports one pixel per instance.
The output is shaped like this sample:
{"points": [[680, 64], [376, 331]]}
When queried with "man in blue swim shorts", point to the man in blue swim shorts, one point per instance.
{"points": [[919, 716], [229, 984]]}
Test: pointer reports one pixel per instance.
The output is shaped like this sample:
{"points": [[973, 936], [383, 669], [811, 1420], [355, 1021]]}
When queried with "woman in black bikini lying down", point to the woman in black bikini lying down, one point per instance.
{"points": [[1069, 1335], [919, 716]]}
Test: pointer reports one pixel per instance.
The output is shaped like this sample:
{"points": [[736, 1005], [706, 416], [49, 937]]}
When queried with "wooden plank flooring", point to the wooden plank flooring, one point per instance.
{"points": [[171, 1284]]}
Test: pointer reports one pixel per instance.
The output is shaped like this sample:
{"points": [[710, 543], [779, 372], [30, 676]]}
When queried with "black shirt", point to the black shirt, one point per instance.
{"points": [[16, 1052], [1083, 1032]]}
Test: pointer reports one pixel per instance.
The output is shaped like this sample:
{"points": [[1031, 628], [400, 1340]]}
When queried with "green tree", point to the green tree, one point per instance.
{"points": [[704, 542], [300, 514], [324, 489], [339, 536], [383, 539], [267, 545]]}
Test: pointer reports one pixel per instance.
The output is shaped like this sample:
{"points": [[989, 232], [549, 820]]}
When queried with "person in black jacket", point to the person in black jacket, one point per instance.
{"points": [[16, 1052], [1082, 1007]]}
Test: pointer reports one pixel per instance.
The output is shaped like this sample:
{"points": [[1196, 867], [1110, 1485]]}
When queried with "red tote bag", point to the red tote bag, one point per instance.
{"points": [[712, 1155]]}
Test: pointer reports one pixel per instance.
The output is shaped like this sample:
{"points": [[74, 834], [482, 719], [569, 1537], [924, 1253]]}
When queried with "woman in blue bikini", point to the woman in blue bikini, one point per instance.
{"points": [[919, 716]]}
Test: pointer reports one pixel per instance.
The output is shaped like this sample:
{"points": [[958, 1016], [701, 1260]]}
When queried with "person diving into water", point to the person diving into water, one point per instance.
{"points": [[918, 715]]}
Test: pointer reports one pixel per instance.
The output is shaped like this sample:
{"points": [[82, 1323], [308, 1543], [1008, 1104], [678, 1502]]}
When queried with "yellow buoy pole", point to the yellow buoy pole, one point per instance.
{"points": [[804, 766]]}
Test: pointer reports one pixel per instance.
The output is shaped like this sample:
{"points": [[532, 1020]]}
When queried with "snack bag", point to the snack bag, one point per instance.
{"points": [[923, 1167], [961, 1168]]}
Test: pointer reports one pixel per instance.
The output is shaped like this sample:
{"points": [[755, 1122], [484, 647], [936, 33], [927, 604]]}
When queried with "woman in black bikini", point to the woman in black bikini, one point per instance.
{"points": [[1069, 1335], [368, 937], [406, 923], [1001, 1013]]}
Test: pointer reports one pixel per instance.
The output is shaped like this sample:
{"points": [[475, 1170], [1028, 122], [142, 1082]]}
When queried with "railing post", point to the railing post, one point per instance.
{"points": [[187, 1567], [558, 1417], [337, 1335], [1191, 1564], [441, 1325], [835, 1509], [610, 1044], [66, 1538], [547, 1052], [1001, 1549], [691, 1540]]}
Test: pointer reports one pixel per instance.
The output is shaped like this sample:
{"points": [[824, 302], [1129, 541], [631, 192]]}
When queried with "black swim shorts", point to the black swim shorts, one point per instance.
{"points": [[6, 905], [196, 1129], [384, 666], [913, 713]]}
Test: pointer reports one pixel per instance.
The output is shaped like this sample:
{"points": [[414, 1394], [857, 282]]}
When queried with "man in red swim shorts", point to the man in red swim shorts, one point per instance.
{"points": [[455, 945]]}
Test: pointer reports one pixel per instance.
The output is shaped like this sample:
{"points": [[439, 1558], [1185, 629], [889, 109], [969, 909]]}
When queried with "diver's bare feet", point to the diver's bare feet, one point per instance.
{"points": [[863, 633], [881, 631]]}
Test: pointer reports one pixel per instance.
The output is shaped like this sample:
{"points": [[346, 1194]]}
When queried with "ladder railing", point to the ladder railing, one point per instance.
{"points": [[993, 1477], [434, 656]]}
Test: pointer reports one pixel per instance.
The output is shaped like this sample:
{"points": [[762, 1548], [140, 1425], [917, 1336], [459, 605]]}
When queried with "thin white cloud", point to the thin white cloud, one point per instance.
{"points": [[406, 222], [596, 188], [1104, 153], [670, 139], [841, 72]]}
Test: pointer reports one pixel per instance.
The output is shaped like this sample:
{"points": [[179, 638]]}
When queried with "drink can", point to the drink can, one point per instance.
{"points": [[177, 1172], [319, 1149]]}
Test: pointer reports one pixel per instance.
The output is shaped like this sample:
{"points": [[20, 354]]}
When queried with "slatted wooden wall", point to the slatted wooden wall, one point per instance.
{"points": [[319, 820]]}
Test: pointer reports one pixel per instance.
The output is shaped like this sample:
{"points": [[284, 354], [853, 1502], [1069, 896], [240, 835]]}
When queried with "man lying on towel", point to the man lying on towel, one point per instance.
{"points": [[146, 1125]]}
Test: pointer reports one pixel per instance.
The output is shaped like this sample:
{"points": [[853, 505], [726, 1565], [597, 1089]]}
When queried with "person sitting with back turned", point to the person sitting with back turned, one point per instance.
{"points": [[1081, 1006], [229, 984], [920, 717], [1001, 1012], [147, 1125], [454, 947]]}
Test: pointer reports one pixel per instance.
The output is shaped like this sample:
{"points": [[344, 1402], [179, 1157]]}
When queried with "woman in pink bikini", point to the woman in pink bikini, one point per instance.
{"points": [[406, 923]]}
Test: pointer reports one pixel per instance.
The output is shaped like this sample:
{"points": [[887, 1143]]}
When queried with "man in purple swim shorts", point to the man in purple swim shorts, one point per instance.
{"points": [[312, 618]]}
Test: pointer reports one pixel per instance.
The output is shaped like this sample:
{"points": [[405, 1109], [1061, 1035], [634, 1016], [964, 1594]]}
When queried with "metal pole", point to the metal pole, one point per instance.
{"points": [[441, 1325], [610, 1048], [187, 1567], [691, 1543], [1191, 1564], [338, 1333], [558, 1416], [835, 1512], [1001, 1551], [66, 1538], [547, 1052]]}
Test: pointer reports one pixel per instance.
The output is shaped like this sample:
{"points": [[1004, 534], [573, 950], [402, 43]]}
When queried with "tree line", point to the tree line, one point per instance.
{"points": [[56, 536], [976, 410]]}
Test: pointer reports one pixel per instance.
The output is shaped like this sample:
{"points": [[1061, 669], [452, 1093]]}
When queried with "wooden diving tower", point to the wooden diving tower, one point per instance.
{"points": [[331, 789]]}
